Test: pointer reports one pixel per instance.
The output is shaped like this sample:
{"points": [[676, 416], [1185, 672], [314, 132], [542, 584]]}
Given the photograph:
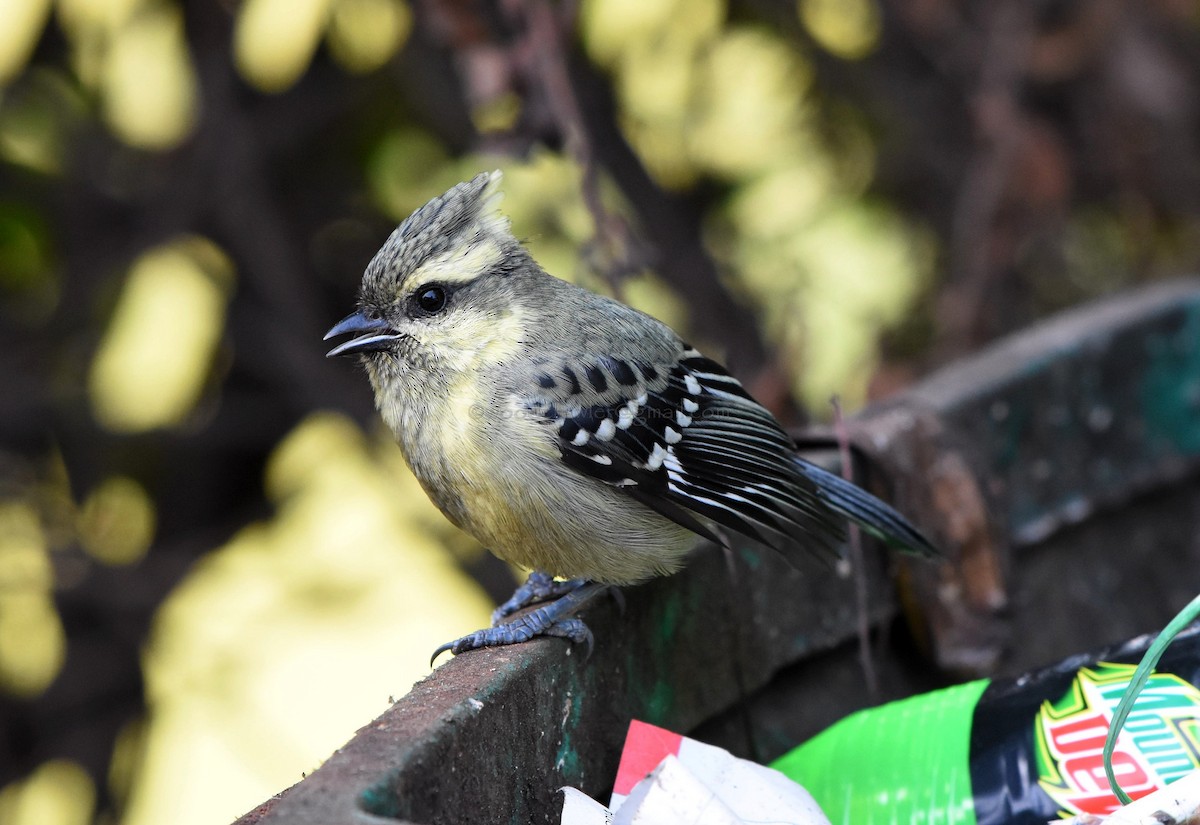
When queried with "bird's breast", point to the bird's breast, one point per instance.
{"points": [[495, 471]]}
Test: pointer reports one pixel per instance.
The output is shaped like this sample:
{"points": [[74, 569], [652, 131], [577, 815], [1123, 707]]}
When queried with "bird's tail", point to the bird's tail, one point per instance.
{"points": [[874, 516]]}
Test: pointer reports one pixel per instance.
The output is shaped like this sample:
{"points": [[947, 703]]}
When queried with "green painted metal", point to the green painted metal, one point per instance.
{"points": [[1083, 411]]}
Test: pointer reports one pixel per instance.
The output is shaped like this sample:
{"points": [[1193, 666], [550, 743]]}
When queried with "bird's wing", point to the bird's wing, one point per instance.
{"points": [[685, 439]]}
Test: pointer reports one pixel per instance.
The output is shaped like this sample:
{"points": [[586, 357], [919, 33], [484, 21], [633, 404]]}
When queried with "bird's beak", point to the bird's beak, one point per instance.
{"points": [[373, 335]]}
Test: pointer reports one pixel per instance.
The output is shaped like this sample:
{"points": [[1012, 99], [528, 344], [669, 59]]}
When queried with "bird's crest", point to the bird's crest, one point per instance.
{"points": [[456, 236]]}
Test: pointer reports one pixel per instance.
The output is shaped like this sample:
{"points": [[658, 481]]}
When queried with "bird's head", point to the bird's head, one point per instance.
{"points": [[439, 295]]}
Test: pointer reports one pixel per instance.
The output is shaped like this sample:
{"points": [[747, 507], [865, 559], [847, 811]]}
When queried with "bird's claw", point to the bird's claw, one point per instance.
{"points": [[517, 631], [442, 649], [538, 587], [553, 619], [575, 630]]}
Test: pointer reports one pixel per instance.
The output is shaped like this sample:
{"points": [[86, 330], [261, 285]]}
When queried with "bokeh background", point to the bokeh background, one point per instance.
{"points": [[214, 566]]}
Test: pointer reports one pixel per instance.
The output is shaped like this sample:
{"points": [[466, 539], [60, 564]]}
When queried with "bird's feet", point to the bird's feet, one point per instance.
{"points": [[539, 587], [553, 619]]}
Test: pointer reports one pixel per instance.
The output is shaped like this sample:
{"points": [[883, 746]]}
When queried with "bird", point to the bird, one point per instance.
{"points": [[569, 433]]}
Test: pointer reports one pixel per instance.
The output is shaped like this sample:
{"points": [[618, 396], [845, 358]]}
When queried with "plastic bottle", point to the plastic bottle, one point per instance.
{"points": [[1010, 751]]}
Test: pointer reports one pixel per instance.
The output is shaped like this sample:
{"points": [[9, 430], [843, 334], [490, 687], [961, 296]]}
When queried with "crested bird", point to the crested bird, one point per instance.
{"points": [[569, 433]]}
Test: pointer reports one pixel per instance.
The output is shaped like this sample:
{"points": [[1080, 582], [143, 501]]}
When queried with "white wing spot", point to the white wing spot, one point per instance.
{"points": [[681, 419], [671, 436], [600, 459], [624, 418], [581, 438], [606, 430], [690, 406], [693, 386], [657, 455]]}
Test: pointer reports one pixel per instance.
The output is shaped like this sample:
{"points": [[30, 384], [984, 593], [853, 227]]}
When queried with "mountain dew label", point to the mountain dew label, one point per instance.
{"points": [[1010, 751], [1158, 744]]}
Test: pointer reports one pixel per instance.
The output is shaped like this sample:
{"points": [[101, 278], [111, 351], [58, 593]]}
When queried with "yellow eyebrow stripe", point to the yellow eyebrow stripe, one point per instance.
{"points": [[458, 266]]}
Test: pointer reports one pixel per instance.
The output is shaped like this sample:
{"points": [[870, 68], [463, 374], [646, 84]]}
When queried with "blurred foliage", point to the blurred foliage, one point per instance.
{"points": [[157, 350], [213, 564], [31, 636], [59, 792]]}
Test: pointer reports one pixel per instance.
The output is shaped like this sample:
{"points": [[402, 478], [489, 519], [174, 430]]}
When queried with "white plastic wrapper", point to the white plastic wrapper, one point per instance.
{"points": [[667, 778]]}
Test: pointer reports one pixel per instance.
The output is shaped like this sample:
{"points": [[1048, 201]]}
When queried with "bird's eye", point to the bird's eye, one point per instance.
{"points": [[430, 299]]}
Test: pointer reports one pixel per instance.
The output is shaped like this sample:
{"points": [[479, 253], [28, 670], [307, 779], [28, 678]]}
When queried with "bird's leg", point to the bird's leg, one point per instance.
{"points": [[553, 619], [539, 587]]}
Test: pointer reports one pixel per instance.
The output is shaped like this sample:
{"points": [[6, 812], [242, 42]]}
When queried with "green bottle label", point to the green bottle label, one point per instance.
{"points": [[919, 751]]}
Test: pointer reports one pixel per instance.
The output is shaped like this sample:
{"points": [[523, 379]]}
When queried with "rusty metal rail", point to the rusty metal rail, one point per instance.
{"points": [[1047, 428]]}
